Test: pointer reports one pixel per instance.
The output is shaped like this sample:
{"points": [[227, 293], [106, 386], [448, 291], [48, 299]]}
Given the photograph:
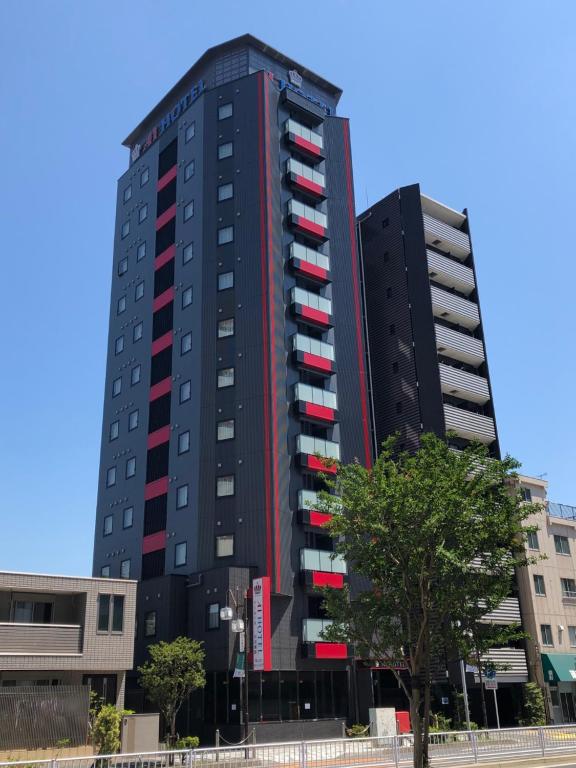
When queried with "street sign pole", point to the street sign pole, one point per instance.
{"points": [[496, 708]]}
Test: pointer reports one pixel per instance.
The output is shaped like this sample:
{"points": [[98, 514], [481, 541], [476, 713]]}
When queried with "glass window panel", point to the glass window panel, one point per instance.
{"points": [[150, 624], [225, 235], [213, 616], [138, 331], [185, 391], [225, 281], [139, 291], [125, 569], [105, 571], [131, 467], [187, 297], [117, 386], [143, 214], [133, 420], [225, 150], [188, 253], [121, 305], [186, 343], [190, 132], [225, 545], [189, 210], [225, 430], [111, 477], [135, 374], [103, 613], [225, 378], [114, 430], [122, 266], [127, 193], [144, 176], [225, 485], [189, 170], [180, 554], [108, 524], [125, 231], [119, 345], [182, 497], [127, 517], [225, 192], [184, 442], [225, 110], [141, 252], [226, 328]]}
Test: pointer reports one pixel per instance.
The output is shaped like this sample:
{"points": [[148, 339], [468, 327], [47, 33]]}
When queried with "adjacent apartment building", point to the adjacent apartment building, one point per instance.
{"points": [[548, 600]]}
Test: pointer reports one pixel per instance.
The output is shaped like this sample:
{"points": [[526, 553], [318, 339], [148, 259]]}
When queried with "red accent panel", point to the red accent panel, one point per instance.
{"points": [[313, 462], [309, 226], [165, 256], [319, 518], [314, 315], [163, 299], [156, 488], [161, 343], [331, 650], [154, 542], [309, 186], [317, 362], [323, 579], [162, 388], [320, 412], [167, 216], [403, 724], [167, 178], [307, 145], [356, 285], [310, 269], [261, 625], [159, 437]]}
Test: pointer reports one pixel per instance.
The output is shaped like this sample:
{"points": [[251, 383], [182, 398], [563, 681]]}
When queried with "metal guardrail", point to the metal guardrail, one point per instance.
{"points": [[450, 747]]}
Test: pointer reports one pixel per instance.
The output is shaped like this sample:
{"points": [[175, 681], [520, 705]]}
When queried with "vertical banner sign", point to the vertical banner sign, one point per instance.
{"points": [[262, 640]]}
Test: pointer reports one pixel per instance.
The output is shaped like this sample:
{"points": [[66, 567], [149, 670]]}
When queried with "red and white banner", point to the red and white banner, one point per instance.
{"points": [[261, 629]]}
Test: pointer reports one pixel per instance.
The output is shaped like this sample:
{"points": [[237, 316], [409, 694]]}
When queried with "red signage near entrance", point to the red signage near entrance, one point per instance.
{"points": [[262, 635]]}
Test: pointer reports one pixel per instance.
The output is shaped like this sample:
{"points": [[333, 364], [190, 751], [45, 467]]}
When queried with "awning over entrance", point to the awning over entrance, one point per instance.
{"points": [[559, 667]]}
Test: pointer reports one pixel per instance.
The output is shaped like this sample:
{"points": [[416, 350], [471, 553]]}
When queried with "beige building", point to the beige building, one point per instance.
{"points": [[548, 601]]}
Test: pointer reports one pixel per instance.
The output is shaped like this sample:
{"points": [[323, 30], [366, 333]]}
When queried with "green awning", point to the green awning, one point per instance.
{"points": [[559, 667]]}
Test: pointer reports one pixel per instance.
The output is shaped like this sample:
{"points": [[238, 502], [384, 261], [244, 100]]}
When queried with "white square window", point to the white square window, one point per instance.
{"points": [[225, 192], [180, 554], [121, 305], [189, 170], [225, 546], [190, 132], [186, 297], [105, 571], [128, 517], [117, 386], [225, 430], [225, 150], [127, 193], [225, 235], [144, 176], [225, 486], [225, 281], [133, 420], [225, 110], [143, 214], [131, 467], [122, 266], [185, 391], [135, 374], [119, 345], [141, 252], [188, 253], [226, 328], [139, 291], [108, 525], [114, 430], [125, 229], [186, 343], [182, 497], [189, 210], [110, 477], [184, 442], [225, 378], [138, 331], [125, 569]]}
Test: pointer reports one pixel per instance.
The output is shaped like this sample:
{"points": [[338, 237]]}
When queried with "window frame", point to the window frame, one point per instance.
{"points": [[226, 335], [558, 539], [538, 581], [125, 229], [141, 249], [126, 197], [220, 198], [136, 413], [138, 328], [190, 132], [224, 148], [181, 488], [187, 173], [180, 436], [221, 537], [224, 107], [142, 213], [187, 292], [111, 472], [228, 274], [544, 630], [181, 399], [139, 291], [105, 530], [186, 216], [220, 234], [122, 563], [220, 424], [122, 266], [121, 305], [185, 338], [124, 511], [144, 177], [221, 478], [116, 435], [130, 462], [225, 386], [185, 561], [148, 617], [188, 249], [137, 367], [115, 392], [215, 613]]}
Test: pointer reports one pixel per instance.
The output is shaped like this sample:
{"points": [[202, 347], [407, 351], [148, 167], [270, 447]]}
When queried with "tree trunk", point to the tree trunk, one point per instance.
{"points": [[173, 730], [426, 718], [482, 691], [416, 718]]}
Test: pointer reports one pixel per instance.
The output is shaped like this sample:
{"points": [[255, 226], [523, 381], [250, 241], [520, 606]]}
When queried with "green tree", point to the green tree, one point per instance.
{"points": [[436, 535], [106, 729], [533, 711], [173, 671]]}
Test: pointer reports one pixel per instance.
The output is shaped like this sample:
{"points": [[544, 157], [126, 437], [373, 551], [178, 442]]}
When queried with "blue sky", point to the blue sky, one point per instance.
{"points": [[475, 100]]}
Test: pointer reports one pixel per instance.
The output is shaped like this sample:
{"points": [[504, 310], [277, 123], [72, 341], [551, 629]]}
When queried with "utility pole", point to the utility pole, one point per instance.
{"points": [[239, 625]]}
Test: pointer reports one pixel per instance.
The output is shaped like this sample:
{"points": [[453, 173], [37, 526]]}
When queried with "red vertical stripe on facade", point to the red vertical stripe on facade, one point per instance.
{"points": [[356, 285]]}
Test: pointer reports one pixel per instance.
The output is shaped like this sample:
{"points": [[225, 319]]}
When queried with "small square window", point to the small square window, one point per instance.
{"points": [[188, 253], [225, 430], [135, 374], [225, 235], [114, 430], [128, 517], [180, 554], [110, 477], [213, 616], [138, 331], [108, 525], [143, 214], [125, 569], [141, 252], [133, 420], [185, 391], [225, 281], [225, 546], [139, 291], [184, 442], [121, 305], [226, 328], [119, 345], [190, 132], [225, 150], [189, 170], [539, 586], [105, 571], [225, 110], [117, 386], [122, 266], [125, 229], [150, 624], [127, 193], [182, 497], [186, 297], [144, 176], [185, 343], [225, 378], [546, 634], [225, 486], [189, 210], [225, 192], [131, 467]]}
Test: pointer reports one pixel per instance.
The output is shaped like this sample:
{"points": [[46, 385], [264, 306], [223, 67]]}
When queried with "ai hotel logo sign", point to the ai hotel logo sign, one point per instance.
{"points": [[262, 641]]}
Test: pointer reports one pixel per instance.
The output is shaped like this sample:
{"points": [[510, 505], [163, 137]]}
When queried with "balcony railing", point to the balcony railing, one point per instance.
{"points": [[459, 346], [508, 612], [296, 208], [450, 273], [320, 560], [313, 445], [312, 630], [566, 511], [510, 664], [40, 639], [471, 426], [309, 299], [302, 343], [309, 394], [462, 384], [306, 171], [454, 308], [445, 237], [310, 255], [301, 131]]}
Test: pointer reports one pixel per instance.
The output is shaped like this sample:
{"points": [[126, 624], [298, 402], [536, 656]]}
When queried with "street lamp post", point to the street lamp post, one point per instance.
{"points": [[239, 626]]}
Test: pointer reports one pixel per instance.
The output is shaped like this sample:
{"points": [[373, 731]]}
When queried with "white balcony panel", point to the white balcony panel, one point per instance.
{"points": [[508, 612], [471, 426], [322, 560], [312, 630], [463, 384], [454, 308], [442, 212], [313, 445], [510, 664], [445, 237], [40, 639], [459, 346], [450, 273]]}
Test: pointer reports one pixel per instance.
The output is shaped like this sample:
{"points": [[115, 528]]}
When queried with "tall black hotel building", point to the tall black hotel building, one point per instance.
{"points": [[237, 354]]}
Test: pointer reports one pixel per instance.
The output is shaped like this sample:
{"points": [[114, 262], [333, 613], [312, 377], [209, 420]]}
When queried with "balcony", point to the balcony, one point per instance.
{"points": [[312, 450], [446, 238], [312, 354], [459, 346], [307, 142], [320, 568], [40, 639], [307, 221], [308, 513], [309, 263], [510, 664], [311, 308], [465, 385], [454, 308], [450, 273], [471, 426], [508, 612], [314, 646], [305, 179], [312, 629], [315, 404]]}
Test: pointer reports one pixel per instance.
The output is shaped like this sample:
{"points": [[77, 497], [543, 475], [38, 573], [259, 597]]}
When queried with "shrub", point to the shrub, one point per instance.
{"points": [[357, 730], [533, 711], [187, 742], [439, 723]]}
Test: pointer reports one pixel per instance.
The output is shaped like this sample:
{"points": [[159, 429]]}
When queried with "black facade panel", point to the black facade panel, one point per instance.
{"points": [[167, 158], [163, 278], [157, 462], [161, 366], [166, 198], [165, 236], [159, 412], [155, 512], [163, 321], [153, 564]]}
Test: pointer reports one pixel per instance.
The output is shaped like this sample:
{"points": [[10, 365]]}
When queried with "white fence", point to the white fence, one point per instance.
{"points": [[451, 747]]}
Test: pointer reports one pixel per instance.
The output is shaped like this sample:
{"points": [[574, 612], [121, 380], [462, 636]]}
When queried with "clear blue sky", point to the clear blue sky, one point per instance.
{"points": [[475, 100]]}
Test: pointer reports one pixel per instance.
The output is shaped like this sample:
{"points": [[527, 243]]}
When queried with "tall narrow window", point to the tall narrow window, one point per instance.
{"points": [[187, 297], [135, 374], [188, 253], [103, 613], [539, 587], [225, 110], [125, 231], [127, 193], [117, 386], [133, 420], [185, 391], [213, 616], [114, 430], [225, 150], [110, 477], [189, 210], [118, 612], [108, 525], [139, 291], [225, 430], [226, 328], [143, 214], [184, 442], [130, 467], [141, 251], [128, 517], [225, 192], [189, 170], [122, 266], [137, 332], [182, 497], [150, 624], [144, 176], [225, 378], [125, 569], [119, 345], [546, 634], [186, 343], [190, 132], [180, 554], [121, 305], [225, 235], [225, 281]]}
